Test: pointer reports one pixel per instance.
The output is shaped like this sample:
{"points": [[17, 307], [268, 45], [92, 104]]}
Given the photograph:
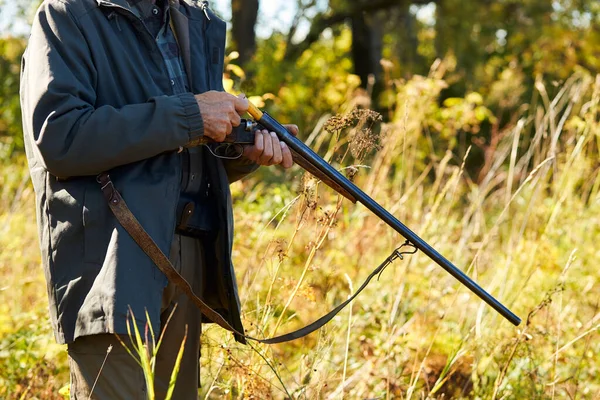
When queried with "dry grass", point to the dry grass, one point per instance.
{"points": [[526, 230]]}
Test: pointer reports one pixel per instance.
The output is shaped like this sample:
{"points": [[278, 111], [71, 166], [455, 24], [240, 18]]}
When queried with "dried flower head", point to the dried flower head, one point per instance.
{"points": [[360, 122], [357, 118], [363, 139]]}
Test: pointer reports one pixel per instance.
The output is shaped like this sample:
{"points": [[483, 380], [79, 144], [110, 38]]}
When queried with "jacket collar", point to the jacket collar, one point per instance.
{"points": [[179, 24], [124, 4], [114, 3]]}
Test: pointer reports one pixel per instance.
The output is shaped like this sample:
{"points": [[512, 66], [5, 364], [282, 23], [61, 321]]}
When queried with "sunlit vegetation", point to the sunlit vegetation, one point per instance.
{"points": [[487, 147]]}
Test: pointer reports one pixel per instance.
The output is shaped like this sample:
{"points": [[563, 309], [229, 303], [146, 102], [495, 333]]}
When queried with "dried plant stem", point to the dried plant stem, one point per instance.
{"points": [[108, 350], [347, 337], [282, 212], [214, 381], [521, 338], [513, 159], [578, 338], [276, 274], [272, 368], [541, 167], [320, 240]]}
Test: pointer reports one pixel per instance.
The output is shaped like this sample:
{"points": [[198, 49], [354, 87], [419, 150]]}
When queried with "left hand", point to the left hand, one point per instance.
{"points": [[269, 150]]}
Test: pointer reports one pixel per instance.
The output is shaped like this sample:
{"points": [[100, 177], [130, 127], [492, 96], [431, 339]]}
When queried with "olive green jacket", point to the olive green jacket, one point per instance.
{"points": [[96, 96]]}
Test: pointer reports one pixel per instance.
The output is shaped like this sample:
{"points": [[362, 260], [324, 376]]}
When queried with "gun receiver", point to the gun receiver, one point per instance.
{"points": [[244, 134]]}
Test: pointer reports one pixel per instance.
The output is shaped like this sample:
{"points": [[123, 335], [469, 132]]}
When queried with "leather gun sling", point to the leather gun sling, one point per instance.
{"points": [[147, 244]]}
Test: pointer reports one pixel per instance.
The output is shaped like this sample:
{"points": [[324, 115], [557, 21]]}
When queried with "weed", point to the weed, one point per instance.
{"points": [[525, 227]]}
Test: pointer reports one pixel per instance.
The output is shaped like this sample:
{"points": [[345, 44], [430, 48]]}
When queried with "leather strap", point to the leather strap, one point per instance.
{"points": [[147, 244]]}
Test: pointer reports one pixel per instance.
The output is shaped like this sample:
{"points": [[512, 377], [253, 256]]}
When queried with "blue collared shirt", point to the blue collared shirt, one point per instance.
{"points": [[156, 17]]}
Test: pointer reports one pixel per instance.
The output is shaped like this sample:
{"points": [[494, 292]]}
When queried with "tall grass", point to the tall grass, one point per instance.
{"points": [[31, 364], [526, 229]]}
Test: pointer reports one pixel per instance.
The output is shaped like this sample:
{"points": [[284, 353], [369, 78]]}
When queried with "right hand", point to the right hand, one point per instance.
{"points": [[221, 112]]}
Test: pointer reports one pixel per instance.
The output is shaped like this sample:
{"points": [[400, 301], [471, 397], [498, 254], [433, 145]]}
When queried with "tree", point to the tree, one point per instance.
{"points": [[367, 47], [244, 14], [367, 22]]}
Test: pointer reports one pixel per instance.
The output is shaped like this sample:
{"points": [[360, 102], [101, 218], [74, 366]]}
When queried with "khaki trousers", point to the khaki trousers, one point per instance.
{"points": [[121, 377]]}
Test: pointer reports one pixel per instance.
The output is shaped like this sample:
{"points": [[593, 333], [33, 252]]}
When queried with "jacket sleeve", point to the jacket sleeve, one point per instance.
{"points": [[72, 136]]}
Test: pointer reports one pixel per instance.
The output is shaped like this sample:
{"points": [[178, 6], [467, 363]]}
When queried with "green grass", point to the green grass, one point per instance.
{"points": [[526, 230]]}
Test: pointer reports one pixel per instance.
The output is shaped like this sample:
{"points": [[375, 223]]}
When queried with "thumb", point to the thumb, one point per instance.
{"points": [[241, 104]]}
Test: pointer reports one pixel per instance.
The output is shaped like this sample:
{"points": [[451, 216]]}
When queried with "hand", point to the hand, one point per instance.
{"points": [[269, 150], [220, 112]]}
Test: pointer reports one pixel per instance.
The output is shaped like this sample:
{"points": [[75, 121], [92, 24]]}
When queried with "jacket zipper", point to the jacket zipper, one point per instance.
{"points": [[130, 13], [108, 4], [204, 6]]}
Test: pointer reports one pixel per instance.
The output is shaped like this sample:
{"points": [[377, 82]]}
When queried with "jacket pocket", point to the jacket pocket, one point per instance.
{"points": [[96, 224]]}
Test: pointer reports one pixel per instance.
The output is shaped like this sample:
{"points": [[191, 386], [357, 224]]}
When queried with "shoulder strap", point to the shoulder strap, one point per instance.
{"points": [[147, 244]]}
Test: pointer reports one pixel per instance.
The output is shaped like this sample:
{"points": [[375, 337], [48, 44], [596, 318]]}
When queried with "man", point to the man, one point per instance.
{"points": [[130, 87]]}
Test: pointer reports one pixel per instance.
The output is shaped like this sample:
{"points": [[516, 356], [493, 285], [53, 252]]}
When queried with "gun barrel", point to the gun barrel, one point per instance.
{"points": [[306, 152]]}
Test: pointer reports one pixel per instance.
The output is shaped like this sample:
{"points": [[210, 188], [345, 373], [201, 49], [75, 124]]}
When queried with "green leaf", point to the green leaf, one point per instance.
{"points": [[175, 372]]}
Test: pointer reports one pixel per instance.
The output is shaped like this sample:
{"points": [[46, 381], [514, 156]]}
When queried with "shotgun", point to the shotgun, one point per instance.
{"points": [[313, 163]]}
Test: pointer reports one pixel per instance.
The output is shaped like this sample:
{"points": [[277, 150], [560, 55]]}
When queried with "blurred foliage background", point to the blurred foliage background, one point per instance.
{"points": [[488, 144], [494, 53]]}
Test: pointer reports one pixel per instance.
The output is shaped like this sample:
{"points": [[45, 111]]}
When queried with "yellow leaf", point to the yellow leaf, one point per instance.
{"points": [[65, 391], [453, 101], [353, 80], [228, 85], [237, 70], [474, 98], [257, 101]]}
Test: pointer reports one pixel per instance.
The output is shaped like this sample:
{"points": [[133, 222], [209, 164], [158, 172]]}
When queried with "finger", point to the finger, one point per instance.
{"points": [[219, 132], [277, 156], [267, 153], [219, 136], [241, 104], [288, 160], [293, 129], [228, 130], [254, 152], [235, 119]]}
